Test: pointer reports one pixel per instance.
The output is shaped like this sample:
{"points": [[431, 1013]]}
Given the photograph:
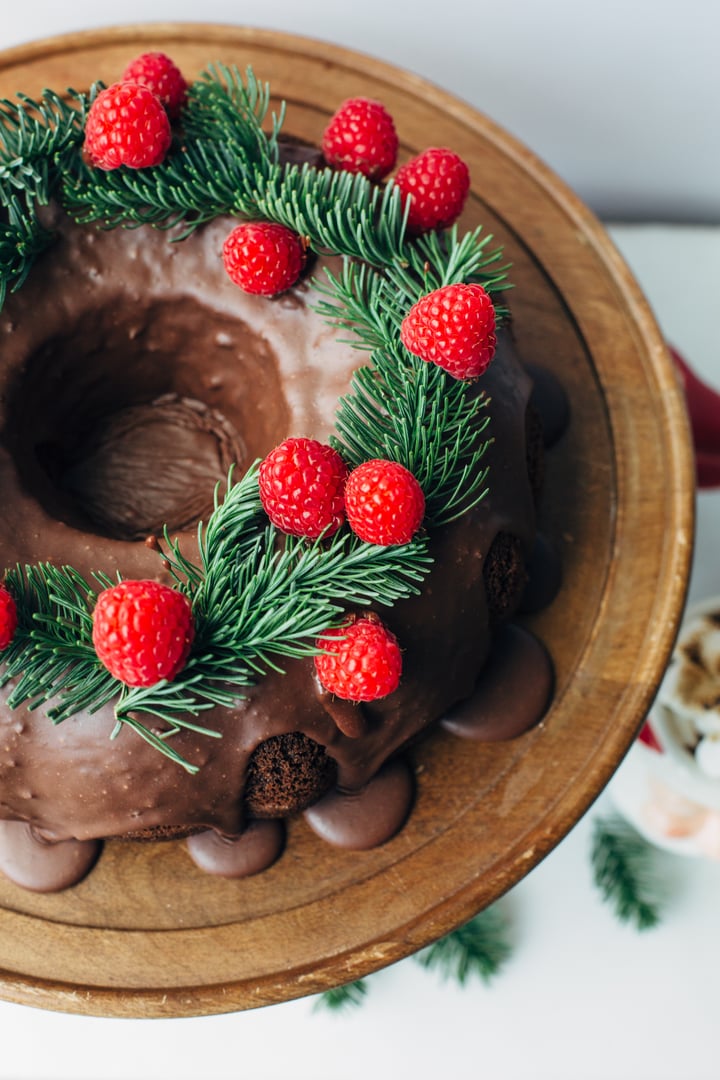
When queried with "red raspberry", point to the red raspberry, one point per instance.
{"points": [[453, 327], [361, 138], [384, 502], [157, 71], [263, 258], [360, 661], [438, 181], [301, 487], [142, 631], [8, 617], [126, 125]]}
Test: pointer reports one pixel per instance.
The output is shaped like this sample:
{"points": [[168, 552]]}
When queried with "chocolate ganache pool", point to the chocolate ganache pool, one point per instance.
{"points": [[133, 373]]}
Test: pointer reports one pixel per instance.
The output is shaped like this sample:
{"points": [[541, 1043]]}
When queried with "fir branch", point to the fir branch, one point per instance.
{"points": [[480, 947], [22, 239], [200, 178], [439, 259], [37, 138], [191, 187], [277, 602], [339, 212], [623, 871], [51, 655], [400, 407], [342, 998], [225, 104]]}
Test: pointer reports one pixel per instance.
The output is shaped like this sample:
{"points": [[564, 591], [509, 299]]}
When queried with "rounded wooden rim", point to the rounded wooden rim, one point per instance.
{"points": [[651, 465]]}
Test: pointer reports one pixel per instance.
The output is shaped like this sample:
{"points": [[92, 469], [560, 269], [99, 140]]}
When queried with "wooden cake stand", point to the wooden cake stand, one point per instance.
{"points": [[147, 934]]}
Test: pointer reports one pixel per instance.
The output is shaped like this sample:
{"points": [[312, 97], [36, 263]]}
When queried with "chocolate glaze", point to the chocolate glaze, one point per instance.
{"points": [[40, 865], [544, 576], [365, 819], [128, 320], [257, 848], [549, 398], [495, 710]]}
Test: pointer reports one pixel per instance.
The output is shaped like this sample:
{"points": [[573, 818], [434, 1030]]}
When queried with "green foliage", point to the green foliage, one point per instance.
{"points": [[37, 139], [343, 998], [22, 238], [624, 872], [479, 948], [401, 408]]}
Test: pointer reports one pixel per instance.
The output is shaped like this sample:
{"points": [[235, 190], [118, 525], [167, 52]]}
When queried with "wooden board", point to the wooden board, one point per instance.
{"points": [[147, 934]]}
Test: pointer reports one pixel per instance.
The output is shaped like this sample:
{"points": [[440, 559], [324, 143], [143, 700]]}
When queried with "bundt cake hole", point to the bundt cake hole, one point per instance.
{"points": [[128, 421], [286, 774]]}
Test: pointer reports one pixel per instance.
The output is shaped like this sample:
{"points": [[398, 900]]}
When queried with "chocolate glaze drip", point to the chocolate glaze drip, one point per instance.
{"points": [[495, 710], [544, 576], [253, 851], [40, 865], [365, 819], [348, 715], [127, 319], [549, 398]]}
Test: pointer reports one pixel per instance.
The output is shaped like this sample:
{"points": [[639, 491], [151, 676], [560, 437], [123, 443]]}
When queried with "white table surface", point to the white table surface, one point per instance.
{"points": [[582, 997]]}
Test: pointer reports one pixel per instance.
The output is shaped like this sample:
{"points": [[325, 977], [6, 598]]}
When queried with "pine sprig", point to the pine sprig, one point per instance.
{"points": [[623, 870], [480, 948], [226, 104], [337, 212], [400, 407], [51, 655], [342, 998], [22, 238], [439, 259], [188, 189], [200, 179], [36, 138]]}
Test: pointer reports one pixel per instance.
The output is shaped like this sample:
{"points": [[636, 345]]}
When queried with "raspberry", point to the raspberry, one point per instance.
{"points": [[126, 125], [360, 661], [263, 258], [157, 71], [142, 631], [453, 327], [8, 617], [384, 502], [301, 487], [361, 138], [438, 181]]}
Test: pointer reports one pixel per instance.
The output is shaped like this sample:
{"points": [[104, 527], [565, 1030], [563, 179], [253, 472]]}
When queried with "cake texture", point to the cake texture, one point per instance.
{"points": [[155, 379]]}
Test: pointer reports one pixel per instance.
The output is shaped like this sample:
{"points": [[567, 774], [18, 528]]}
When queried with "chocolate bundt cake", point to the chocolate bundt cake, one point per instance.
{"points": [[139, 389]]}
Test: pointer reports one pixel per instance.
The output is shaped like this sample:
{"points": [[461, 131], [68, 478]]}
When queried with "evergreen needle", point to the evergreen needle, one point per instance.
{"points": [[624, 872], [480, 947], [342, 998]]}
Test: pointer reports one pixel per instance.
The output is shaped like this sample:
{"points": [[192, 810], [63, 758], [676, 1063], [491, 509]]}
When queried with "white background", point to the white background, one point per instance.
{"points": [[621, 99]]}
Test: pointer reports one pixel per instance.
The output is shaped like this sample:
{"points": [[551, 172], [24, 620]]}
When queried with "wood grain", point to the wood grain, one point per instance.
{"points": [[147, 934]]}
